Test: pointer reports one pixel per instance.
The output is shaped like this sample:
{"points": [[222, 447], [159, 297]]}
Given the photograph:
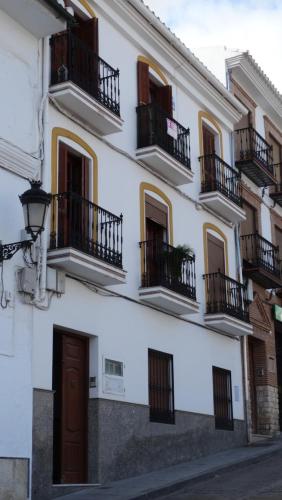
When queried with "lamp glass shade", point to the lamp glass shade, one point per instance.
{"points": [[35, 203]]}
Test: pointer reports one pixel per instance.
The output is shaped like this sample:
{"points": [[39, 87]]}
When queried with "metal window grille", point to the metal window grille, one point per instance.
{"points": [[161, 392], [222, 396]]}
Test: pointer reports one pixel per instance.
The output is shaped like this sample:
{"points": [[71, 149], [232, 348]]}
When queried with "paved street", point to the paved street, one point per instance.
{"points": [[261, 480]]}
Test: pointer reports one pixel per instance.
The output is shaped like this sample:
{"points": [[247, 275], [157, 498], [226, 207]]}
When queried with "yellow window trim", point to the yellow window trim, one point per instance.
{"points": [[206, 227], [154, 66], [87, 7], [209, 117]]}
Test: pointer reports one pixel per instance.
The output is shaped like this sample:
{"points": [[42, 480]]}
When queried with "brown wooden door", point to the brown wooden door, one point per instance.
{"points": [[70, 380], [252, 384]]}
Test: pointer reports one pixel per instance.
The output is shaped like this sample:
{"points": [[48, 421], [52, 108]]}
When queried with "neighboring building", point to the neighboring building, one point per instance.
{"points": [[122, 350]]}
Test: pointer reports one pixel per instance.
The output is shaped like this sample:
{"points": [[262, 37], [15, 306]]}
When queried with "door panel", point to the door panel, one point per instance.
{"points": [[249, 226], [252, 384], [74, 409], [209, 173]]}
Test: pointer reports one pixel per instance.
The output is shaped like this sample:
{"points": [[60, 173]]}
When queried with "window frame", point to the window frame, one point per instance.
{"points": [[223, 422], [168, 416]]}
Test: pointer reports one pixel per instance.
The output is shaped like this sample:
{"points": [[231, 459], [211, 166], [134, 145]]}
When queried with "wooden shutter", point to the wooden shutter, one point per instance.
{"points": [[222, 396], [208, 141], [63, 165], [156, 211], [161, 398], [249, 226], [143, 83], [87, 32], [278, 238], [164, 97], [216, 255]]}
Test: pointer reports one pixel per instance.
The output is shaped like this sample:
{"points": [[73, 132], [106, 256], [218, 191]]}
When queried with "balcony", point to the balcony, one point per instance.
{"points": [[168, 278], [254, 157], [163, 144], [275, 192], [261, 261], [221, 188], [40, 17], [86, 240], [84, 84], [227, 307]]}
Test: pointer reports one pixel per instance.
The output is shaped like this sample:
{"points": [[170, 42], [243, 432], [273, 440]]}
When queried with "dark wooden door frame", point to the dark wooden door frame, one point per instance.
{"points": [[59, 333]]}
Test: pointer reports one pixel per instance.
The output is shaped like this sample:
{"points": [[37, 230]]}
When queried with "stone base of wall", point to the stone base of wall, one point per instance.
{"points": [[14, 480], [122, 442], [267, 410]]}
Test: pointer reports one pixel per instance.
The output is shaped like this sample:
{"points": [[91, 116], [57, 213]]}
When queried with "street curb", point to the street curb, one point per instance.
{"points": [[178, 485]]}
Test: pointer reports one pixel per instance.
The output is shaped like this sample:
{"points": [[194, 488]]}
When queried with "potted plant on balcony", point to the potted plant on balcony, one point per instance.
{"points": [[176, 258]]}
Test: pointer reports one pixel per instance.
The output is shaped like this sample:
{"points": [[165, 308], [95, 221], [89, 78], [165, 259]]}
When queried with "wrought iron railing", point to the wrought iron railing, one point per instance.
{"points": [[80, 224], [226, 295], [168, 266], [73, 60], [156, 128], [259, 252], [219, 176], [250, 145]]}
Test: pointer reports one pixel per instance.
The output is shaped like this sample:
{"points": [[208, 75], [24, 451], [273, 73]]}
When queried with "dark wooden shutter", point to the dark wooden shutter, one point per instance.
{"points": [[278, 237], [164, 98], [208, 141], [249, 226], [63, 165], [216, 258], [222, 396], [156, 211], [88, 32], [143, 83]]}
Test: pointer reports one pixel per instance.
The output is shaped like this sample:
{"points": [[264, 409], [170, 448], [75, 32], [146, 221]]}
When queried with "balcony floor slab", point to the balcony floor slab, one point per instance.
{"points": [[228, 324], [170, 301], [86, 266], [86, 108], [164, 164], [222, 205]]}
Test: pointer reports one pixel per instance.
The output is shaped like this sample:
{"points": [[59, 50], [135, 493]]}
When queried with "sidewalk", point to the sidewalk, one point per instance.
{"points": [[172, 478]]}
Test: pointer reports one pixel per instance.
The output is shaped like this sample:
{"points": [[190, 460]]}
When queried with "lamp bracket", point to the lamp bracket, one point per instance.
{"points": [[7, 251]]}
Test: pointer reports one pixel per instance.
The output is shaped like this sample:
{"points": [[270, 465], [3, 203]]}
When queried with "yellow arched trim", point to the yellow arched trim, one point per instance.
{"points": [[214, 228], [209, 117], [87, 7], [62, 132], [154, 66]]}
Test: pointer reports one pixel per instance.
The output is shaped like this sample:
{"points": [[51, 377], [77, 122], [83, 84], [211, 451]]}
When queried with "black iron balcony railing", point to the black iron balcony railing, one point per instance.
{"points": [[260, 253], [153, 129], [219, 176], [225, 295], [253, 156], [168, 266], [80, 224], [72, 60]]}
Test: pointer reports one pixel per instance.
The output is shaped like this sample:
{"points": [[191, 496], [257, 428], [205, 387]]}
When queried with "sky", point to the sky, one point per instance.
{"points": [[253, 25]]}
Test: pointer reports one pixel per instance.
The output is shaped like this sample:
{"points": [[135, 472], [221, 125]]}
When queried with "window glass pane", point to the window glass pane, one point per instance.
{"points": [[113, 367]]}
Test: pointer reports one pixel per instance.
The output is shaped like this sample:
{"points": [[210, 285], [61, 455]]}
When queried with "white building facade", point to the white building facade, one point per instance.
{"points": [[122, 346]]}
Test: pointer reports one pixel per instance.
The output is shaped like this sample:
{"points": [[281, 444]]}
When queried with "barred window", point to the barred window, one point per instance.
{"points": [[161, 392], [222, 396]]}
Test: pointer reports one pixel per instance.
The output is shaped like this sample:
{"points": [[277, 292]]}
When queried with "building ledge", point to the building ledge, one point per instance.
{"points": [[86, 266], [170, 301], [228, 324], [223, 206], [86, 108], [164, 164]]}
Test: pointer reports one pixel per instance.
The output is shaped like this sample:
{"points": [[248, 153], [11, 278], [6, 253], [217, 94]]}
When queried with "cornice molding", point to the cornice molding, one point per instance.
{"points": [[17, 161]]}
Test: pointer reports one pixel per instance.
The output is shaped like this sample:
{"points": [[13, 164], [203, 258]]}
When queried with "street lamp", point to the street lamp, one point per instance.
{"points": [[35, 204]]}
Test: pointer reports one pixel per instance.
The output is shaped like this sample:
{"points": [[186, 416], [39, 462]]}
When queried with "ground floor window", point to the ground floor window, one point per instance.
{"points": [[222, 396], [161, 392]]}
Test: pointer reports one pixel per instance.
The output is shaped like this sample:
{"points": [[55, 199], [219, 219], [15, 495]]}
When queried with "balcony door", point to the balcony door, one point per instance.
{"points": [[249, 226], [73, 209], [216, 292], [156, 236]]}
